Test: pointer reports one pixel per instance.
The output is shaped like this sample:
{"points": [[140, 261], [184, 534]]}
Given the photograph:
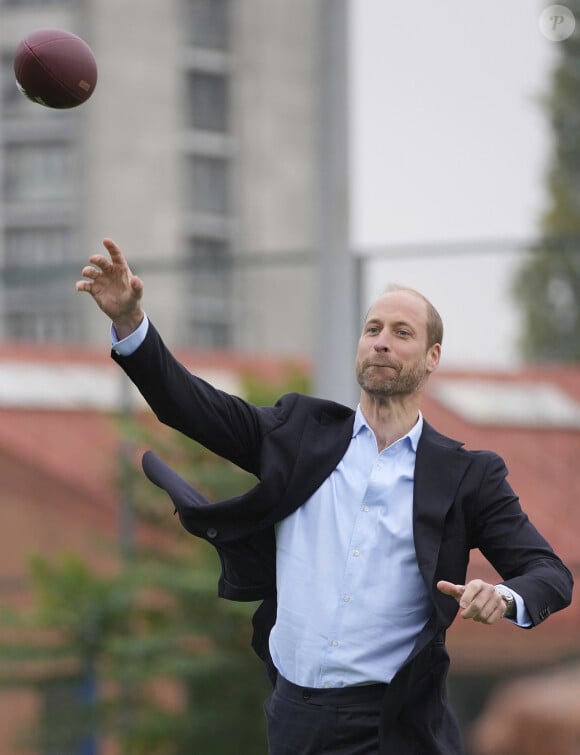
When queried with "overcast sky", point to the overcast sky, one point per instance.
{"points": [[450, 144]]}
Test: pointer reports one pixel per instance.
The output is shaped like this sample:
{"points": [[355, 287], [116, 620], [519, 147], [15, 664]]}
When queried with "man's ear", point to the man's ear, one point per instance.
{"points": [[433, 357]]}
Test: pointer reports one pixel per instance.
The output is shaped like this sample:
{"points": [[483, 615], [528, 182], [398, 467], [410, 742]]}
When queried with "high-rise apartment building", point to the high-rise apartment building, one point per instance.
{"points": [[195, 152]]}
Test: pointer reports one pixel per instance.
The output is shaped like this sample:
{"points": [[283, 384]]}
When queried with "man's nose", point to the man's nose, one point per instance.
{"points": [[382, 342]]}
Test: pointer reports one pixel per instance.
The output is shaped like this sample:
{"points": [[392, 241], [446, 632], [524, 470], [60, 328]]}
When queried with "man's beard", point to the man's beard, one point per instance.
{"points": [[375, 377]]}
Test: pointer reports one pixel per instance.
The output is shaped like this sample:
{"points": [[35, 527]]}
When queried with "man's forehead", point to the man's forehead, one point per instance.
{"points": [[399, 304]]}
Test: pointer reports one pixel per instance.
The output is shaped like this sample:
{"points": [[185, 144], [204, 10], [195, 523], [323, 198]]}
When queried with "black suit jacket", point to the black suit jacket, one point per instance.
{"points": [[461, 501]]}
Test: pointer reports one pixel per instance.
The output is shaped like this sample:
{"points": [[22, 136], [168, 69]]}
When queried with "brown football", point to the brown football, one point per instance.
{"points": [[55, 68]]}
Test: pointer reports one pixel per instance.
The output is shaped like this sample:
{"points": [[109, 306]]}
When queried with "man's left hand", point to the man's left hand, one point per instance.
{"points": [[478, 600]]}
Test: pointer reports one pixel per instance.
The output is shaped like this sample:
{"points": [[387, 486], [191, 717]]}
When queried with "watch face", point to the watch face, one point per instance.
{"points": [[507, 598]]}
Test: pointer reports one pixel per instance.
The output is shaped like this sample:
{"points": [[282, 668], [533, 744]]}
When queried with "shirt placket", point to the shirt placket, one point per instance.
{"points": [[355, 563]]}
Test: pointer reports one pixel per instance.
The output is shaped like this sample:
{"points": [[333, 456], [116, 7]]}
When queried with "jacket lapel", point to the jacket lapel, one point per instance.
{"points": [[439, 469], [323, 444]]}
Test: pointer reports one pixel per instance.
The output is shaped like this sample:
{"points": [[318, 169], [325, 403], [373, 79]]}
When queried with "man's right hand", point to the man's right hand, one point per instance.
{"points": [[114, 288]]}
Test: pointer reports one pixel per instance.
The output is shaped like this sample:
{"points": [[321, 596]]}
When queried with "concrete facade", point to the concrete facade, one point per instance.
{"points": [[150, 168]]}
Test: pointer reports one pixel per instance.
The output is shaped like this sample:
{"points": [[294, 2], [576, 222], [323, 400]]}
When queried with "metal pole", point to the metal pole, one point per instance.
{"points": [[336, 316]]}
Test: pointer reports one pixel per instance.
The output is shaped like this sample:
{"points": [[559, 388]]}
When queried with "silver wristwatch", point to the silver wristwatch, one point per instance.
{"points": [[508, 599]]}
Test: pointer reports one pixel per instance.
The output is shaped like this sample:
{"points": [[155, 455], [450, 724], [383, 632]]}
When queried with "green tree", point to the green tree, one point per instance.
{"points": [[148, 655], [547, 287]]}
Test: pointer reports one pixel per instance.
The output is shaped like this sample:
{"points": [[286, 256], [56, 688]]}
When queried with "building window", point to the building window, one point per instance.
{"points": [[208, 257], [207, 23], [209, 185], [210, 289], [35, 309], [40, 327], [208, 101], [39, 172], [32, 3], [205, 334], [33, 247]]}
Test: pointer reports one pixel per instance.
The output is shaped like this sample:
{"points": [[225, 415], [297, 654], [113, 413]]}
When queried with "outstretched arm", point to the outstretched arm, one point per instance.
{"points": [[114, 288]]}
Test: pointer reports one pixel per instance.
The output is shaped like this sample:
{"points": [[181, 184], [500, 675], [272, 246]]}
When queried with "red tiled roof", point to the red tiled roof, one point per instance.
{"points": [[542, 462], [80, 447]]}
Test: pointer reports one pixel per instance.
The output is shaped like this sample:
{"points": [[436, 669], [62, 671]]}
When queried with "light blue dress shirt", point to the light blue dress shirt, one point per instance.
{"points": [[131, 343], [351, 599]]}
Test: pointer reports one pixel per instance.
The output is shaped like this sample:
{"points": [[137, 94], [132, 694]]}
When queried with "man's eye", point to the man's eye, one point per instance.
{"points": [[403, 333]]}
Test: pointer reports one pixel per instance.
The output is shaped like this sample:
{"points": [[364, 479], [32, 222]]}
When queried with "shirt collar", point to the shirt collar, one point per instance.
{"points": [[414, 433]]}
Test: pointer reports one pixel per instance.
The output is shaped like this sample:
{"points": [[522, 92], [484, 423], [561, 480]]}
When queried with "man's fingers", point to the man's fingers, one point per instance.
{"points": [[137, 285], [482, 602], [114, 288], [114, 250], [100, 261], [478, 599], [451, 589], [479, 592], [90, 272], [488, 613]]}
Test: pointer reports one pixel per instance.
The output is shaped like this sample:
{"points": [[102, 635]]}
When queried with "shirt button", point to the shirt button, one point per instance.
{"points": [[356, 553], [346, 598], [334, 643], [365, 508]]}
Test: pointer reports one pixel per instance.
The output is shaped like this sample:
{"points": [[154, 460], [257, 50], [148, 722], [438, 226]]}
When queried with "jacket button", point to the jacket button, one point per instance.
{"points": [[212, 533]]}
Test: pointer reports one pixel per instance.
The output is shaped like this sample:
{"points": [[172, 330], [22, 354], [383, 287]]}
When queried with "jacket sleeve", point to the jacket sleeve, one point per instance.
{"points": [[510, 542], [225, 424]]}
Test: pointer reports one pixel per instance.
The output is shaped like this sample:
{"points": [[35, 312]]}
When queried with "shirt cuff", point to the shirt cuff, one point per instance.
{"points": [[522, 618], [127, 346]]}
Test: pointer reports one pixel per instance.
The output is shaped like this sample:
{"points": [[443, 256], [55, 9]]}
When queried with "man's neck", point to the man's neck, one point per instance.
{"points": [[390, 418]]}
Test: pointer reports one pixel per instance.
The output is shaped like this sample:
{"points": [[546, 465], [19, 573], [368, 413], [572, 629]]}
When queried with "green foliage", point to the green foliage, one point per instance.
{"points": [[148, 654], [264, 394], [155, 625], [547, 287]]}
